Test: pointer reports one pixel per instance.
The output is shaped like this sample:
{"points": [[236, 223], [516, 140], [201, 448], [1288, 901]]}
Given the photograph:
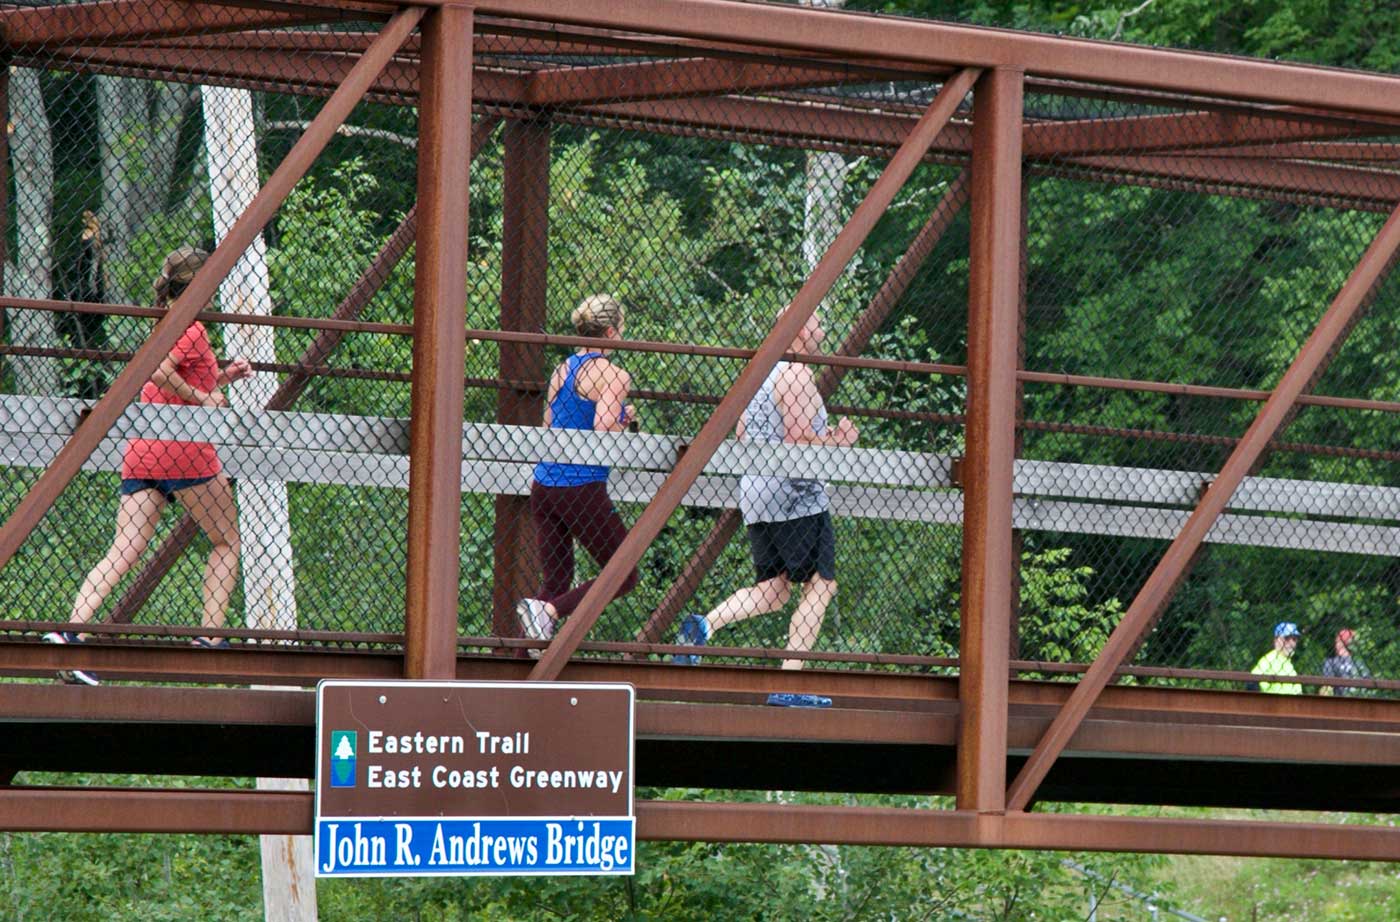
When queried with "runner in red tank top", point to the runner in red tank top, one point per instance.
{"points": [[155, 471]]}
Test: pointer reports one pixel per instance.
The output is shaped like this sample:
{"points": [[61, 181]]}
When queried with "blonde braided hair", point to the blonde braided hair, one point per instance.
{"points": [[595, 314]]}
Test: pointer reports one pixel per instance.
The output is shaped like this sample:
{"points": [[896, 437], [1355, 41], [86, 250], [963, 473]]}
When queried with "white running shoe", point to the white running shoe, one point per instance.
{"points": [[71, 676], [534, 619]]}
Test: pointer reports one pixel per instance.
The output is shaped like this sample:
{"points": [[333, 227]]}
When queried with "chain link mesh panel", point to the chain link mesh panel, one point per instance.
{"points": [[145, 135], [1177, 263]]}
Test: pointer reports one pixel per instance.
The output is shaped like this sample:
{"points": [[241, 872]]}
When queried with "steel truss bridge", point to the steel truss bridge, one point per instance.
{"points": [[1004, 735]]}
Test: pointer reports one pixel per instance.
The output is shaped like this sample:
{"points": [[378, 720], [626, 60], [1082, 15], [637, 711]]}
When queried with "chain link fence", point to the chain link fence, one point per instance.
{"points": [[640, 213]]}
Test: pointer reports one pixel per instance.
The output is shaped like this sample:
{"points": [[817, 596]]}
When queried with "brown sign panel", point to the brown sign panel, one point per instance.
{"points": [[474, 749], [473, 778]]}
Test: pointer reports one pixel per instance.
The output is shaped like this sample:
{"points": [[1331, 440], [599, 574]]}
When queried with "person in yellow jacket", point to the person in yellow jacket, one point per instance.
{"points": [[1279, 661]]}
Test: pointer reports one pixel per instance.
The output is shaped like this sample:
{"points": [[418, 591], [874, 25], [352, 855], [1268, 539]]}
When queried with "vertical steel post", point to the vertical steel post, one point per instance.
{"points": [[1013, 627], [439, 345], [987, 566], [524, 287], [4, 174]]}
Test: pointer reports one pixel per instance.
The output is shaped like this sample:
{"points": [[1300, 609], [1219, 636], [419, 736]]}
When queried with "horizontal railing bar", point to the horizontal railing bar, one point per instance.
{"points": [[371, 451], [656, 347], [352, 435], [133, 634], [484, 335]]}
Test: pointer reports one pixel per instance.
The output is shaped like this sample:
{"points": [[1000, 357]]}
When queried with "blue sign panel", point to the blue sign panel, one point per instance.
{"points": [[370, 848]]}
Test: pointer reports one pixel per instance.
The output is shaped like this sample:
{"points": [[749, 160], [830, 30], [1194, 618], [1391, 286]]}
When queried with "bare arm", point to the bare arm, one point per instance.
{"points": [[235, 370], [798, 399], [607, 386], [168, 379]]}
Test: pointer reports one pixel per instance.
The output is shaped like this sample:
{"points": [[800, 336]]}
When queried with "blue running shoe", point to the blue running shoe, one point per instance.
{"points": [[695, 632], [790, 700]]}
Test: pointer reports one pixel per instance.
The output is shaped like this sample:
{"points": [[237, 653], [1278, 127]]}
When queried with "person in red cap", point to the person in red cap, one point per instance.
{"points": [[1344, 666]]}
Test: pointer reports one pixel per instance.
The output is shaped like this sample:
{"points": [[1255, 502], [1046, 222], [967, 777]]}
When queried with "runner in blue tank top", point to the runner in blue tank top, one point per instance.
{"points": [[569, 502]]}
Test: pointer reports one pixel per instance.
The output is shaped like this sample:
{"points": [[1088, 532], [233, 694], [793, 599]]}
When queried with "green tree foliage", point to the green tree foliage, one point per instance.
{"points": [[131, 878]]}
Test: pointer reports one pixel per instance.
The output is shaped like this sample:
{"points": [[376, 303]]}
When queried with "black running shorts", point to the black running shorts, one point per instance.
{"points": [[798, 547]]}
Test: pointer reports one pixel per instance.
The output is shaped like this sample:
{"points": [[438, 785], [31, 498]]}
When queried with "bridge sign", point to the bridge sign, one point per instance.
{"points": [[465, 778]]}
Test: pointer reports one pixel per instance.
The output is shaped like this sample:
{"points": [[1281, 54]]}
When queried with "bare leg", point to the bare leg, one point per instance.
{"points": [[211, 505], [768, 596], [807, 618], [137, 515]]}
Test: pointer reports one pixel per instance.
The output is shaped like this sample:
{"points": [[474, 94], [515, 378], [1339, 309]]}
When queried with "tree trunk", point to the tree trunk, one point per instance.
{"points": [[138, 133], [31, 273], [269, 583], [826, 180], [121, 118]]}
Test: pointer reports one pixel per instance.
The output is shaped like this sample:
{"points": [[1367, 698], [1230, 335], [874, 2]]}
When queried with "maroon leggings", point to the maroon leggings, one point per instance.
{"points": [[563, 515]]}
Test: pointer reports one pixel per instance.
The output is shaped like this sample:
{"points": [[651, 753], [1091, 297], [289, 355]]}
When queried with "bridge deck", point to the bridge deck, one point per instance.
{"points": [[706, 727]]}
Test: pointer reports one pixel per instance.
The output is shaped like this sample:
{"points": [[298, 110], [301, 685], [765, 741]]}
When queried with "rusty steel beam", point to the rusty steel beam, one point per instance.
{"points": [[1284, 176], [1135, 730], [4, 176], [492, 46], [785, 119], [776, 121], [788, 823], [127, 385], [1352, 151], [1142, 719], [856, 692], [292, 42], [439, 346], [994, 296], [827, 133], [866, 326], [622, 41], [1373, 266], [131, 20], [178, 661], [936, 43], [147, 704], [304, 73], [671, 80], [524, 289], [291, 813], [184, 810], [851, 131], [1203, 187], [325, 343], [1183, 131], [827, 271]]}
